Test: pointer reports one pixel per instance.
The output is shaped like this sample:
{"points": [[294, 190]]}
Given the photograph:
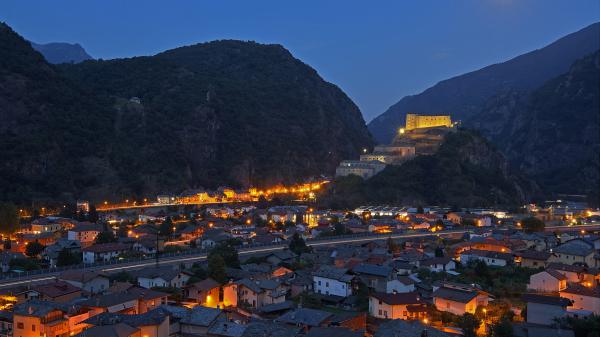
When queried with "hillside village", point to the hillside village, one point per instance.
{"points": [[458, 272]]}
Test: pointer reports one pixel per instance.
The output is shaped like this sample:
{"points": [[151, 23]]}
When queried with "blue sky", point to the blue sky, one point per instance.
{"points": [[376, 51]]}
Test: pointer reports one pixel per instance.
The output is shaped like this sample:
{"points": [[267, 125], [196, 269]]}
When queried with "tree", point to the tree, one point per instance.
{"points": [[439, 252], [105, 237], [469, 324], [297, 245], [34, 249], [24, 264], [92, 215], [9, 218], [166, 227], [392, 245], [216, 268], [420, 210], [502, 328], [66, 258], [340, 228], [228, 252], [532, 224]]}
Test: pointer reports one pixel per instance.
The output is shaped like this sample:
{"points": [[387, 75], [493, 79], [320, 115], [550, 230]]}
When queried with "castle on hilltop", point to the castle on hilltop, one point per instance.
{"points": [[414, 121], [421, 135]]}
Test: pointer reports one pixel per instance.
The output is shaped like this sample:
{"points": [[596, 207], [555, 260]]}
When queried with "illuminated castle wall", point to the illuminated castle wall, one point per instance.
{"points": [[414, 121]]}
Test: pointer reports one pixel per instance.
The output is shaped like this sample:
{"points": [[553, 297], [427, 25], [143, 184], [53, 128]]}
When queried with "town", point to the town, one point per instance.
{"points": [[227, 270], [300, 169]]}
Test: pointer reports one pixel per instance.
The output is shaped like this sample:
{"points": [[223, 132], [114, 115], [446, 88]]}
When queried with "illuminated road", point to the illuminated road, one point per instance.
{"points": [[201, 257]]}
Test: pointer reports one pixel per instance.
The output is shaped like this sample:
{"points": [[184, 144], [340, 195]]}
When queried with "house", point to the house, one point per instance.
{"points": [[305, 318], [205, 292], [532, 258], [267, 328], [439, 264], [39, 318], [89, 281], [212, 237], [400, 284], [59, 292], [396, 306], [194, 321], [6, 257], [333, 332], [490, 258], [103, 252], [162, 277], [52, 252], [547, 281], [374, 276], [408, 328], [458, 299], [583, 297], [545, 309], [576, 251], [45, 225], [84, 232], [6, 323], [332, 281], [154, 323], [134, 300], [147, 245], [577, 273], [258, 293], [112, 330]]}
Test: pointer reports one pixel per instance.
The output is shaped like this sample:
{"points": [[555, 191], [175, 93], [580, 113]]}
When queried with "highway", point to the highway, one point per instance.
{"points": [[176, 260]]}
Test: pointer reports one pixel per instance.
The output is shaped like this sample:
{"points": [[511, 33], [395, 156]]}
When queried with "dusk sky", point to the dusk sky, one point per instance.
{"points": [[376, 54]]}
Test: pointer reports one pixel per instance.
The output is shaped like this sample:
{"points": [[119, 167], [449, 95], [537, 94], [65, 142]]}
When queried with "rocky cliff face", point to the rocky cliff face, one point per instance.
{"points": [[226, 112], [61, 52], [552, 133]]}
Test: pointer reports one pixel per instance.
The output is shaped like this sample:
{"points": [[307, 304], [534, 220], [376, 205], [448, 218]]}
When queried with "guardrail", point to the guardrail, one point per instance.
{"points": [[203, 251]]}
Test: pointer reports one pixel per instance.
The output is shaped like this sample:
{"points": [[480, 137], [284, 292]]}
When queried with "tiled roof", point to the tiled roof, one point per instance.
{"points": [[402, 328], [455, 294], [56, 289], [550, 300], [304, 316], [372, 269], [579, 289], [113, 330], [397, 299], [575, 247]]}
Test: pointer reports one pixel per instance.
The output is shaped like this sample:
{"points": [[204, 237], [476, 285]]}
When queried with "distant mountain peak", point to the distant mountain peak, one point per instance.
{"points": [[62, 52]]}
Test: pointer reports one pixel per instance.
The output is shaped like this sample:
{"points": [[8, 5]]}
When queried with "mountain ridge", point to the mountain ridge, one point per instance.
{"points": [[62, 52], [462, 96], [170, 122]]}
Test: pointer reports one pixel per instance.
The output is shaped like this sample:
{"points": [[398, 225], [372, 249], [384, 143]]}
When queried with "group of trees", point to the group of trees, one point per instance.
{"points": [[220, 257]]}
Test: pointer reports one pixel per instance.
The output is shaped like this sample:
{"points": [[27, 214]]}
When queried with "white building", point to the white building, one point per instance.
{"points": [[544, 309], [583, 297], [490, 258], [547, 281], [162, 277], [84, 232], [363, 169], [396, 306], [103, 252], [332, 281]]}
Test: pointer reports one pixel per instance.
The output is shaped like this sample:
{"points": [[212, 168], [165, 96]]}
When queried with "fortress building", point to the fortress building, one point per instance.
{"points": [[414, 121]]}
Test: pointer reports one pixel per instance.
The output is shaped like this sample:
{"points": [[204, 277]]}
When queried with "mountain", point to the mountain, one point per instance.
{"points": [[464, 96], [553, 132], [224, 112], [467, 171], [62, 52]]}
